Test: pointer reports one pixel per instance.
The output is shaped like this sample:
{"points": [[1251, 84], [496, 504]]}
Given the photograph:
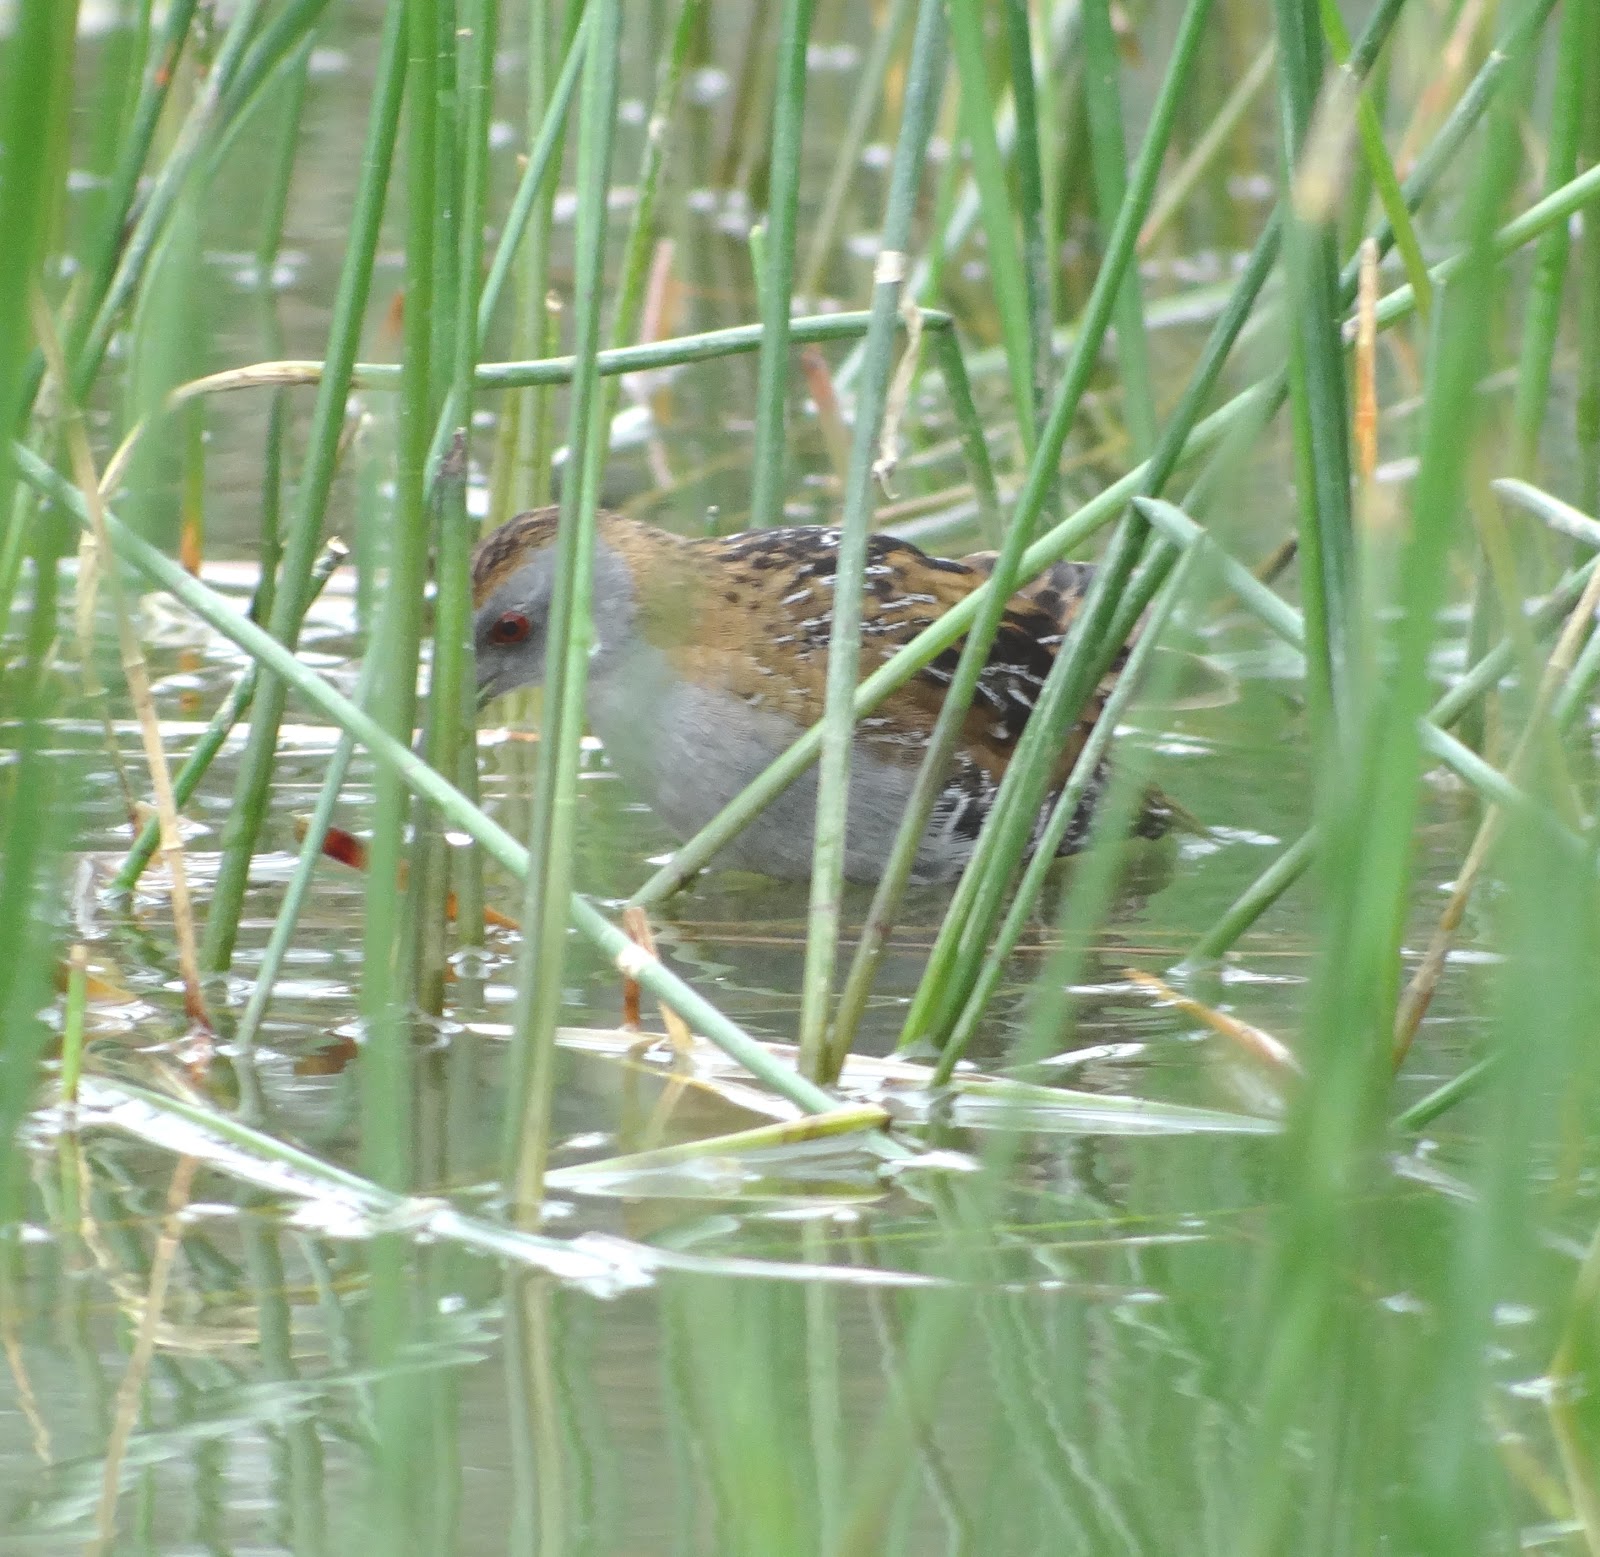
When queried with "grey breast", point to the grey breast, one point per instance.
{"points": [[687, 750]]}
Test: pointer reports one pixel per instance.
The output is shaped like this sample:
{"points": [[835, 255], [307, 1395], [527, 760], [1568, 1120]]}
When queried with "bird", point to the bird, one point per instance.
{"points": [[709, 658]]}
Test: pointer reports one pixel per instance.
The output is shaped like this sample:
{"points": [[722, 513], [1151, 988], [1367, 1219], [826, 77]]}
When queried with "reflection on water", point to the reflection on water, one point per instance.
{"points": [[1002, 1346]]}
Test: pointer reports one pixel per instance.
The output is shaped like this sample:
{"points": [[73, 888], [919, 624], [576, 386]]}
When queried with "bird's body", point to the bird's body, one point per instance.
{"points": [[709, 658]]}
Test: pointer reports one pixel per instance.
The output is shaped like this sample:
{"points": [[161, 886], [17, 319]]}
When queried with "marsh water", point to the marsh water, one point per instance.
{"points": [[1087, 1402]]}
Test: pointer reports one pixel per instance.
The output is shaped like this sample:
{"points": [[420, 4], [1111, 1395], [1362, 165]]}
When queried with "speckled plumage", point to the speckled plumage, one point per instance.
{"points": [[710, 656]]}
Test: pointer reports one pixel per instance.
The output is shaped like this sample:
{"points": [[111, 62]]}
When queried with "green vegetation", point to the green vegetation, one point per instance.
{"points": [[1240, 1200]]}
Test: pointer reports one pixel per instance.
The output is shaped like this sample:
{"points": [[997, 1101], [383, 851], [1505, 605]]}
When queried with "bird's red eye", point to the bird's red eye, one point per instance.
{"points": [[510, 628]]}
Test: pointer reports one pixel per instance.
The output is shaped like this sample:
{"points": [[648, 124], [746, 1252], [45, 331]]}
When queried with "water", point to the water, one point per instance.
{"points": [[726, 1371]]}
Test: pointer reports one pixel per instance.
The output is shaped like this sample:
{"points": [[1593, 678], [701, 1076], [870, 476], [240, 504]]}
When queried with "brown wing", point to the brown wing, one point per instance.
{"points": [[753, 614], [763, 618], [764, 615]]}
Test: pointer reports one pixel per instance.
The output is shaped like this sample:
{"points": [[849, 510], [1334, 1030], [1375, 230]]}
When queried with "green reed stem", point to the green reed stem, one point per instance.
{"points": [[385, 1071], [536, 177], [98, 265], [1283, 620], [449, 165], [514, 857], [925, 81], [969, 429], [1586, 413], [783, 202], [40, 803], [385, 1080], [1109, 154], [1083, 655], [1542, 314], [1253, 902], [677, 352], [274, 207], [1084, 774], [268, 242], [252, 789], [846, 151], [1378, 162], [171, 180], [451, 684], [451, 416], [100, 262], [1368, 807], [1577, 47], [996, 207], [287, 918], [1558, 206], [281, 34], [1039, 272], [1572, 699], [1288, 623], [636, 251], [1214, 140], [269, 61], [1512, 47], [1444, 1097], [40, 787], [964, 213], [539, 986], [451, 679], [942, 743], [639, 359], [539, 325], [35, 115], [1316, 376]]}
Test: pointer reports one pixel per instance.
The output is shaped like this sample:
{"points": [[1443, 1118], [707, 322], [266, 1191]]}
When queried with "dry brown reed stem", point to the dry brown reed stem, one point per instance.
{"points": [[1420, 991], [1272, 566], [27, 1398], [898, 395], [1364, 419], [131, 1389], [275, 375], [137, 673], [835, 435], [1255, 1042], [1445, 87], [636, 923]]}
